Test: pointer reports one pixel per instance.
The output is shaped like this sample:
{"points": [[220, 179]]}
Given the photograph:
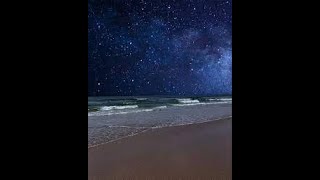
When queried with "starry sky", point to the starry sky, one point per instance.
{"points": [[159, 47]]}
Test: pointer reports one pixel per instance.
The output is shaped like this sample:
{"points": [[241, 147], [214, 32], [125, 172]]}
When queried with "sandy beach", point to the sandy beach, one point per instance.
{"points": [[195, 151]]}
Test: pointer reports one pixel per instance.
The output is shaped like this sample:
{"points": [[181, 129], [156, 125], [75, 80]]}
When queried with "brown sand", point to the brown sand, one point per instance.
{"points": [[197, 151]]}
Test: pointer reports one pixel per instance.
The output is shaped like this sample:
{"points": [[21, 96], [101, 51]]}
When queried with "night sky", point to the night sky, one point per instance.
{"points": [[159, 47]]}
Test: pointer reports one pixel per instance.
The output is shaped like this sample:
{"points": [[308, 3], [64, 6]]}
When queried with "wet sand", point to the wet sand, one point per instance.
{"points": [[196, 151]]}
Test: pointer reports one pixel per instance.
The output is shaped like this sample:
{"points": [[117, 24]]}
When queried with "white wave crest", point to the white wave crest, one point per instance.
{"points": [[107, 108], [188, 101], [106, 113], [220, 99], [225, 99], [222, 102]]}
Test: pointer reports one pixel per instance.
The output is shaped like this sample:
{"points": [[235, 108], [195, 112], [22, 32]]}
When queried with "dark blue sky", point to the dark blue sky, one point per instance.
{"points": [[159, 47]]}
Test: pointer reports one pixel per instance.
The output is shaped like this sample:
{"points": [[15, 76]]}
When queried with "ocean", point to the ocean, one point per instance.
{"points": [[111, 118], [103, 106]]}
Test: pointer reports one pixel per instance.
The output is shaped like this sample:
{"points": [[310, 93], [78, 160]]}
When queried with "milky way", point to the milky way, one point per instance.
{"points": [[159, 47]]}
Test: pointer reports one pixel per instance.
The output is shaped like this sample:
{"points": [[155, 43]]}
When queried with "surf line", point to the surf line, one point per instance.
{"points": [[150, 128], [112, 126]]}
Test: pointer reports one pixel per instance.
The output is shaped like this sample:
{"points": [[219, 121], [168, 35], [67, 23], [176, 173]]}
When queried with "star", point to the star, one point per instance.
{"points": [[184, 48]]}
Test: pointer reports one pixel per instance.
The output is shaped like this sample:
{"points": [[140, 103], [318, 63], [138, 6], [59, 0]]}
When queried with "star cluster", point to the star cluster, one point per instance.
{"points": [[159, 47]]}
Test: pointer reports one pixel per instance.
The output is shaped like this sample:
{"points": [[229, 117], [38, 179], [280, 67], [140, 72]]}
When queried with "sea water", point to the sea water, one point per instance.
{"points": [[111, 118]]}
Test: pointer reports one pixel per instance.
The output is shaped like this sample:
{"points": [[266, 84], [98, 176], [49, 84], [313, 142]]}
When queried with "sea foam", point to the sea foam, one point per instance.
{"points": [[107, 108], [188, 101]]}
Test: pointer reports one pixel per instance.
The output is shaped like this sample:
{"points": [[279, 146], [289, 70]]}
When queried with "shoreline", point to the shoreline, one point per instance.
{"points": [[103, 129], [152, 128], [201, 150]]}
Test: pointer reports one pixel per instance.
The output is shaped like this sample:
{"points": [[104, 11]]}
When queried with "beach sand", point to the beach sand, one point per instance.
{"points": [[196, 151]]}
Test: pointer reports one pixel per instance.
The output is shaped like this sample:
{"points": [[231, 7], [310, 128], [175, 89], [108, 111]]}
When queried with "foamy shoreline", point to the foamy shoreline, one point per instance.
{"points": [[106, 129]]}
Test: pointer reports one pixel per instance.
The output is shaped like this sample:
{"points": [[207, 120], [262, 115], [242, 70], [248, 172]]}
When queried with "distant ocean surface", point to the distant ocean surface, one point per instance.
{"points": [[111, 118], [104, 106]]}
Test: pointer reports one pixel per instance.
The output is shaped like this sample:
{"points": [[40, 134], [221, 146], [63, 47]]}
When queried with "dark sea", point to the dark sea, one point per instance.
{"points": [[112, 118], [103, 106]]}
